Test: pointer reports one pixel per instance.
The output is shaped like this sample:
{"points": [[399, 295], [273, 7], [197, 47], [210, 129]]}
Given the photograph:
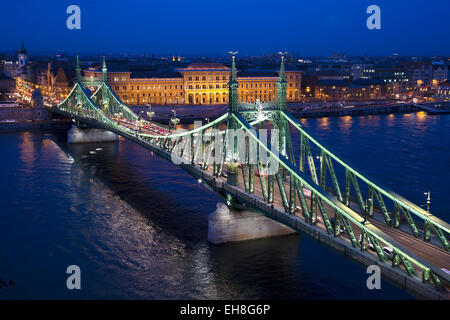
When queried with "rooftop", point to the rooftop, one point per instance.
{"points": [[205, 66]]}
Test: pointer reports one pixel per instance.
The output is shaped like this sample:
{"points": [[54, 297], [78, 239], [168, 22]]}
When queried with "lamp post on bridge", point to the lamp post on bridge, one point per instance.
{"points": [[426, 229], [428, 194]]}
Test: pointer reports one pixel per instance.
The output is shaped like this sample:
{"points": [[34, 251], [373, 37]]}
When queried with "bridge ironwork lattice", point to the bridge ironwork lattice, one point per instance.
{"points": [[344, 208]]}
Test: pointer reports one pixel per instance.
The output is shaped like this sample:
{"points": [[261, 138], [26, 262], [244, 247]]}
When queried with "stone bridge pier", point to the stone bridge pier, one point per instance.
{"points": [[84, 135], [227, 225]]}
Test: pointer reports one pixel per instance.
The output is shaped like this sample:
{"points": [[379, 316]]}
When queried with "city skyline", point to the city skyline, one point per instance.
{"points": [[254, 28]]}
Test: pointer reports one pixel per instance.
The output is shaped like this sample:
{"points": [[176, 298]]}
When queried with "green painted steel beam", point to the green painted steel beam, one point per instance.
{"points": [[377, 186], [348, 213]]}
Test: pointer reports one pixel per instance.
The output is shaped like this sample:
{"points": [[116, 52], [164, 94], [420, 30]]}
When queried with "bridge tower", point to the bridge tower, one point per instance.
{"points": [[105, 99], [233, 86], [285, 139], [104, 70], [233, 103], [281, 86], [280, 123], [78, 70]]}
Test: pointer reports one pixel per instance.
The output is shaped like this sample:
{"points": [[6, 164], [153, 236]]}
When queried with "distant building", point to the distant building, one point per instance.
{"points": [[440, 73], [36, 98], [342, 90], [198, 83], [358, 70], [394, 76], [17, 68], [443, 89], [22, 56], [420, 74], [7, 87]]}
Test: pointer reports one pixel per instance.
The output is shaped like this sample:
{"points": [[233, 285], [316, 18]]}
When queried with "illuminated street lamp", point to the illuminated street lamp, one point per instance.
{"points": [[428, 194], [427, 227]]}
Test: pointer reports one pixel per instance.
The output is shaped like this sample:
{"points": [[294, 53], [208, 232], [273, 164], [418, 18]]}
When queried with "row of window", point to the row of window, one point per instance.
{"points": [[158, 100], [263, 97], [197, 86], [159, 94], [211, 86], [265, 85], [197, 99], [210, 78], [149, 87], [117, 79]]}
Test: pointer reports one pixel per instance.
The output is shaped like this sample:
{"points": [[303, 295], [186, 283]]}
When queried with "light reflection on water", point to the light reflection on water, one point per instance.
{"points": [[137, 225]]}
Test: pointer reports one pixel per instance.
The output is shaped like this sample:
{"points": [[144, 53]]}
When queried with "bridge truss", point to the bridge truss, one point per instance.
{"points": [[351, 208]]}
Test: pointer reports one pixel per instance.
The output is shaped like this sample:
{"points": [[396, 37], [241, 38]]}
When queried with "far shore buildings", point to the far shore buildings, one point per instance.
{"points": [[444, 90], [198, 83], [160, 81]]}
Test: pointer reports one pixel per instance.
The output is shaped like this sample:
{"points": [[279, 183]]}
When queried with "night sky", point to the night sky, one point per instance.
{"points": [[189, 27]]}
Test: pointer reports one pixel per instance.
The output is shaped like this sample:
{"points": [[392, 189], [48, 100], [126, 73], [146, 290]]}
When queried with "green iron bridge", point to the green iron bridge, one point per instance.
{"points": [[354, 214]]}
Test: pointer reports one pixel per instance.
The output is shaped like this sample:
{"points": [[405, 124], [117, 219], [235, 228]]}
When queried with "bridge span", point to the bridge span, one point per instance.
{"points": [[313, 191]]}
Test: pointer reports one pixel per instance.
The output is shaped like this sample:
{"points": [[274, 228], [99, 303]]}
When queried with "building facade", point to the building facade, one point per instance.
{"points": [[343, 90], [440, 74], [394, 76], [443, 90], [420, 74], [199, 83]]}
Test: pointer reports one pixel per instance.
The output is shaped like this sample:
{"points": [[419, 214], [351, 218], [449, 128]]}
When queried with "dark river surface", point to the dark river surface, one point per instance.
{"points": [[136, 225]]}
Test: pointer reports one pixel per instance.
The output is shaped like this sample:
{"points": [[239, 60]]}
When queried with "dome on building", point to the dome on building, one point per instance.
{"points": [[36, 98]]}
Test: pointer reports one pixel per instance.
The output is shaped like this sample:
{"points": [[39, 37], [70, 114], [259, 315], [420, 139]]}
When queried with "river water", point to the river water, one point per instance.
{"points": [[136, 225]]}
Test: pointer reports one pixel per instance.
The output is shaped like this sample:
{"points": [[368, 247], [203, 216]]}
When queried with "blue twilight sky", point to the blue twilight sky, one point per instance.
{"points": [[314, 27]]}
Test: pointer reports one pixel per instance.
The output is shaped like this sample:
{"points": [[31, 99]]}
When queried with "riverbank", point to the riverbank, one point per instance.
{"points": [[189, 114], [52, 124], [300, 112], [38, 118], [22, 114]]}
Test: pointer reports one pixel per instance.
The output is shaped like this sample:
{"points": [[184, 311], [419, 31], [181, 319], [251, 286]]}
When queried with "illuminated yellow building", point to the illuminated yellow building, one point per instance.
{"points": [[199, 83]]}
